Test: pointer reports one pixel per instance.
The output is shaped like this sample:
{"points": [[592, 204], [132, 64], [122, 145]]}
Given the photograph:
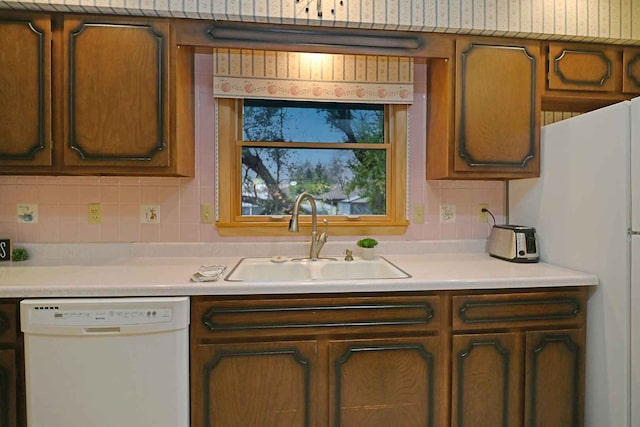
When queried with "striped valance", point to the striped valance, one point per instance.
{"points": [[247, 73]]}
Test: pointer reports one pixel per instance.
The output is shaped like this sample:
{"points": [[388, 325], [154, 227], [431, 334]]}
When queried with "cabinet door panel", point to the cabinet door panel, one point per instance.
{"points": [[257, 385], [554, 378], [631, 71], [8, 396], [497, 107], [116, 82], [487, 376], [386, 382], [25, 91]]}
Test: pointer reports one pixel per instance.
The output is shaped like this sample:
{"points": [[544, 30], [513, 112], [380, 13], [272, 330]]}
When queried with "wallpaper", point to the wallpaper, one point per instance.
{"points": [[303, 76], [616, 21]]}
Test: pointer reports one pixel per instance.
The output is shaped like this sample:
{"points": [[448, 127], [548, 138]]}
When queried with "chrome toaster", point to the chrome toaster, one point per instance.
{"points": [[514, 243]]}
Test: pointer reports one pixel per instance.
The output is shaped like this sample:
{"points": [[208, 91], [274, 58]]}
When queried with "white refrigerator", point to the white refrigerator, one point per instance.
{"points": [[586, 210]]}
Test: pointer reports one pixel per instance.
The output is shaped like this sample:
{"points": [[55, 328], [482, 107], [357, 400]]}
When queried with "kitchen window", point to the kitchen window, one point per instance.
{"points": [[350, 156]]}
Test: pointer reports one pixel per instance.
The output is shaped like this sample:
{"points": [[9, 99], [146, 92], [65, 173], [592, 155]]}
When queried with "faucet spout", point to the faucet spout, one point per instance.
{"points": [[317, 242]]}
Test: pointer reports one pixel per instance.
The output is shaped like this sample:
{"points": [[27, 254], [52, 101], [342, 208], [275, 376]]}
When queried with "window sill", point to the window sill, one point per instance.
{"points": [[336, 228]]}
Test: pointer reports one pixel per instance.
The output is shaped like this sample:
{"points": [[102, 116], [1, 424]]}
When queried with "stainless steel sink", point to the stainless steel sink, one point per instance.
{"points": [[278, 269]]}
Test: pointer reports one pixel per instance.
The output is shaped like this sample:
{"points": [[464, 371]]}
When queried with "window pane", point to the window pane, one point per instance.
{"points": [[295, 121], [343, 182]]}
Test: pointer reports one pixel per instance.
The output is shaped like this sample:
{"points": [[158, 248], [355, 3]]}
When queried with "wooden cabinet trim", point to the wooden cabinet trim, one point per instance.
{"points": [[532, 116], [161, 53], [598, 82]]}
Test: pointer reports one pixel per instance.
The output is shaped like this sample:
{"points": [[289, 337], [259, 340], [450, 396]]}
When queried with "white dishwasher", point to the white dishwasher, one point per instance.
{"points": [[106, 362]]}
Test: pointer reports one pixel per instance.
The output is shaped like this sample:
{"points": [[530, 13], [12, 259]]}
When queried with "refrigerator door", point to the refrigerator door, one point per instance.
{"points": [[580, 209], [635, 164], [635, 330]]}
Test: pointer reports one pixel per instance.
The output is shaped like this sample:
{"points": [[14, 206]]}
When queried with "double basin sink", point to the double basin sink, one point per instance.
{"points": [[284, 269]]}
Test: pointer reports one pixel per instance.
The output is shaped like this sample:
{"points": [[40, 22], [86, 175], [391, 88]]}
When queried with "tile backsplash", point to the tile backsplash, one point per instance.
{"points": [[63, 202]]}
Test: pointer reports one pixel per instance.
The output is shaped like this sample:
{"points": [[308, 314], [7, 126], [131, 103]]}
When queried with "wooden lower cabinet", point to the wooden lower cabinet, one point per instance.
{"points": [[12, 393], [339, 361], [491, 385], [415, 359]]}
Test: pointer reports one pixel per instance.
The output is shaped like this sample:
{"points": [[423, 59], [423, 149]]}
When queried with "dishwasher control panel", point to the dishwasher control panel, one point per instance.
{"points": [[77, 317], [69, 316]]}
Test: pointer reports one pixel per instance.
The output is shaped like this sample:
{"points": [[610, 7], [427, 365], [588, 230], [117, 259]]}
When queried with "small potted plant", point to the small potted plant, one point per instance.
{"points": [[367, 246]]}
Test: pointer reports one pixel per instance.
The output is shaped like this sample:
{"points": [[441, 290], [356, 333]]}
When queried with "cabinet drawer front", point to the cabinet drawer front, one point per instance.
{"points": [[577, 68], [305, 316], [472, 312], [8, 325]]}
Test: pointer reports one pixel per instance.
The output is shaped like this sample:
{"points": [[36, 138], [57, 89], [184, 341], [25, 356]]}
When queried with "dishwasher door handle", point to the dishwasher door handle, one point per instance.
{"points": [[103, 330]]}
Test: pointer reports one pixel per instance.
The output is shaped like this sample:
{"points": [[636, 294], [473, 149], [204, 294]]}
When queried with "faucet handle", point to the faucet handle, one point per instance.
{"points": [[325, 233], [348, 255]]}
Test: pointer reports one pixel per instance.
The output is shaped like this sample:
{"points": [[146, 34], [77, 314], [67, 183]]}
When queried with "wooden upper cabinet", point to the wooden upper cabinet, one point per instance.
{"points": [[25, 90], [583, 67], [497, 112], [94, 95], [631, 70], [117, 86]]}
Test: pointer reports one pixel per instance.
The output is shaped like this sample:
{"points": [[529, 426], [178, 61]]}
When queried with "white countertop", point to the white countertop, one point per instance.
{"points": [[162, 276]]}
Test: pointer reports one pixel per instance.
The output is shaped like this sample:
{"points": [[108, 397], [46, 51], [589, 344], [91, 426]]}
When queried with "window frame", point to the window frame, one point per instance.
{"points": [[231, 222]]}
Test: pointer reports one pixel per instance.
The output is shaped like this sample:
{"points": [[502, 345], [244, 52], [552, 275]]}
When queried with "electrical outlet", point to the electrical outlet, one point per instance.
{"points": [[447, 213], [418, 214], [95, 213], [483, 216], [206, 213]]}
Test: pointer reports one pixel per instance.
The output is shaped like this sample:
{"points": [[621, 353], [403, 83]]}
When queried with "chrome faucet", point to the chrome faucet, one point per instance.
{"points": [[317, 242]]}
